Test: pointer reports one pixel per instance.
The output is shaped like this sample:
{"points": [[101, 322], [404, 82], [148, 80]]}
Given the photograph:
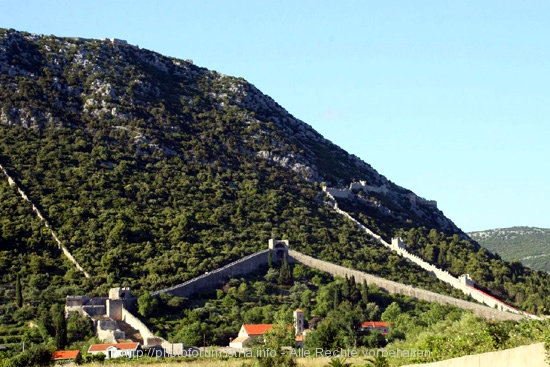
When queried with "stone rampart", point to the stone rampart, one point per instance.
{"points": [[108, 331], [339, 193], [399, 247], [394, 287], [214, 279], [65, 251], [148, 337]]}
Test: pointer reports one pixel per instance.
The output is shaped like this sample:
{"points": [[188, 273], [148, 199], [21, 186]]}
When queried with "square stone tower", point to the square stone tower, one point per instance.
{"points": [[279, 249]]}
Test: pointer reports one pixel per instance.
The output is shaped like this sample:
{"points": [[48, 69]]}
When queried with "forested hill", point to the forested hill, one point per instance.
{"points": [[153, 170], [529, 245]]}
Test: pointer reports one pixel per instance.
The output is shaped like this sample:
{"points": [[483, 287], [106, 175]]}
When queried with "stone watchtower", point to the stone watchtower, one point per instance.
{"points": [[279, 249], [116, 302], [465, 279], [298, 321]]}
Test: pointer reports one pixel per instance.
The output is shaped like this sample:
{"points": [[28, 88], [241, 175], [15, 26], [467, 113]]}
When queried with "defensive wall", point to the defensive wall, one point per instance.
{"points": [[395, 287], [65, 251], [214, 279], [462, 283], [527, 355], [150, 339]]}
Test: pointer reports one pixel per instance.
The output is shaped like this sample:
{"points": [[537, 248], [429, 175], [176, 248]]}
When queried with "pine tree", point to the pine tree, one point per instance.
{"points": [[18, 292]]}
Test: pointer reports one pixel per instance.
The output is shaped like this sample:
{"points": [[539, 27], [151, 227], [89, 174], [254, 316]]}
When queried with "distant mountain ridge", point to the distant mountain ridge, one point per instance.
{"points": [[529, 245]]}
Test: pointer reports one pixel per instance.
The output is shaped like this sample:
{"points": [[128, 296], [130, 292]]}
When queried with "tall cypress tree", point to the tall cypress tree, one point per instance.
{"points": [[285, 274], [337, 297], [354, 293], [18, 292], [60, 325], [365, 293]]}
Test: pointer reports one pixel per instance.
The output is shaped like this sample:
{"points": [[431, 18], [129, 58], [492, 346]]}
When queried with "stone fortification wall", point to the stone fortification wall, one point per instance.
{"points": [[84, 305], [394, 287], [150, 339], [399, 247], [65, 251], [108, 331], [528, 355], [212, 280], [338, 193], [362, 185]]}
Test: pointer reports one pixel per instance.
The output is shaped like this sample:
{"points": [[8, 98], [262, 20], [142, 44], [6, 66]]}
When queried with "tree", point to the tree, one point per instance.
{"points": [[276, 339], [365, 293], [191, 334], [271, 275], [35, 355], [18, 292], [270, 259], [147, 304], [285, 274], [391, 312], [337, 297], [345, 288], [60, 326], [354, 292], [79, 327]]}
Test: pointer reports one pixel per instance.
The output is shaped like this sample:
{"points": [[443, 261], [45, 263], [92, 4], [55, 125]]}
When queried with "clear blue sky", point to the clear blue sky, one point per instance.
{"points": [[449, 99]]}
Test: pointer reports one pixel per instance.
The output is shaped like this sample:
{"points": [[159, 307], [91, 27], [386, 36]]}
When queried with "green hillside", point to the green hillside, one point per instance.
{"points": [[529, 245], [153, 170]]}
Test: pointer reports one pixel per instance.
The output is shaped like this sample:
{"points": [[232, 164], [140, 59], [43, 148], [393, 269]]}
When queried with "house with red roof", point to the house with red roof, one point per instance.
{"points": [[250, 331], [115, 350], [66, 356], [376, 325], [247, 333]]}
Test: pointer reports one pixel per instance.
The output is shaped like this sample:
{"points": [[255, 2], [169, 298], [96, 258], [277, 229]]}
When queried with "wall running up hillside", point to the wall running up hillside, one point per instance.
{"points": [[35, 210], [394, 287], [398, 246], [214, 279]]}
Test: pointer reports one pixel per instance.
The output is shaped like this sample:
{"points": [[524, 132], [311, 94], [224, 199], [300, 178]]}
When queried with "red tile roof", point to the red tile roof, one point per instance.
{"points": [[256, 329], [65, 354], [120, 346], [374, 324]]}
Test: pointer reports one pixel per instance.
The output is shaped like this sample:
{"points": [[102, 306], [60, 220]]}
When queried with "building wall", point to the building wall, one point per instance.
{"points": [[108, 331], [528, 355], [114, 308]]}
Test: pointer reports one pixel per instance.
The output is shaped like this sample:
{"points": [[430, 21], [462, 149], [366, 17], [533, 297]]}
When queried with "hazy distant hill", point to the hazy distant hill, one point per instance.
{"points": [[529, 245]]}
